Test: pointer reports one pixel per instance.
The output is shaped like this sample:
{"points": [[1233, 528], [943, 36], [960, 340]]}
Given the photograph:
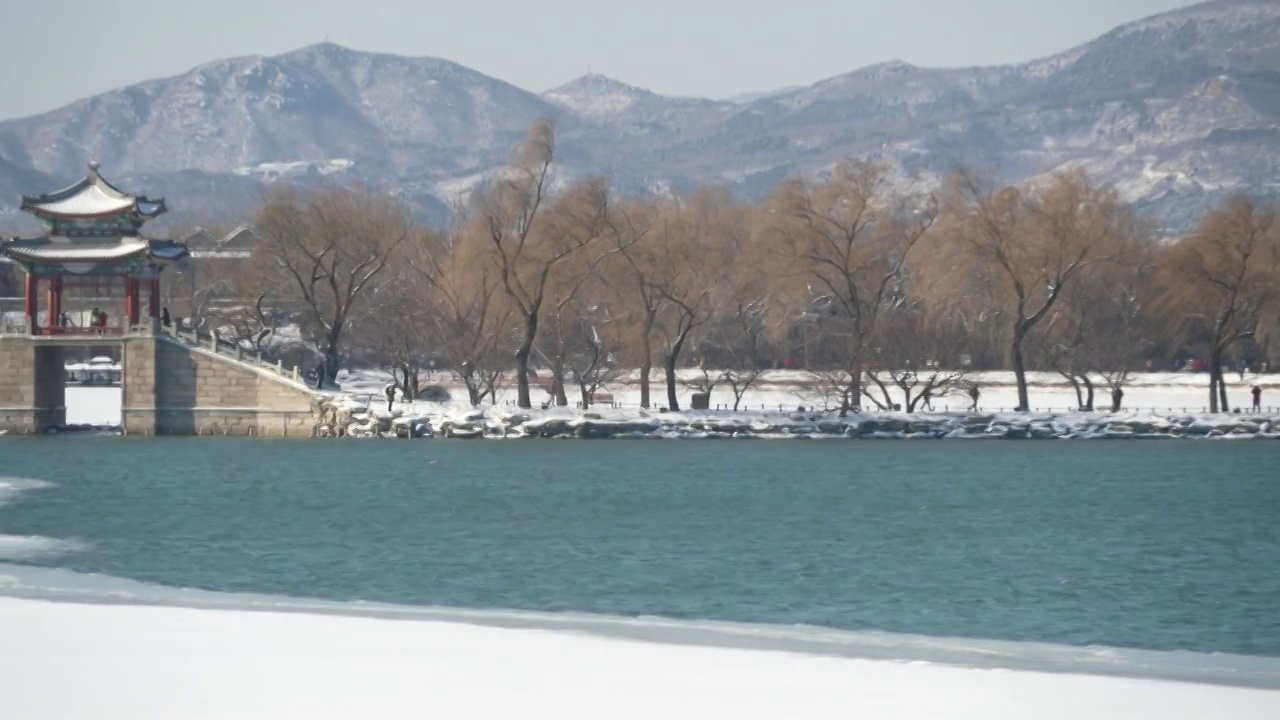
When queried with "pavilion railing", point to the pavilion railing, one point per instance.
{"points": [[13, 327]]}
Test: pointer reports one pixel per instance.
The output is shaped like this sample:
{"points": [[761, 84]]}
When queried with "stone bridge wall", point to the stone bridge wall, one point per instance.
{"points": [[32, 389], [169, 388], [175, 389]]}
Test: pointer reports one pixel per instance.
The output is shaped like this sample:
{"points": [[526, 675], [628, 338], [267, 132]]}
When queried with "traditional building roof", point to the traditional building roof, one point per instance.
{"points": [[47, 250], [199, 239], [90, 198], [242, 238]]}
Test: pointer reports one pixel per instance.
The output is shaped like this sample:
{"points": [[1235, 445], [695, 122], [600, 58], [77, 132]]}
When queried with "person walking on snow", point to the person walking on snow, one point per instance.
{"points": [[1257, 398], [391, 395], [926, 398], [973, 395]]}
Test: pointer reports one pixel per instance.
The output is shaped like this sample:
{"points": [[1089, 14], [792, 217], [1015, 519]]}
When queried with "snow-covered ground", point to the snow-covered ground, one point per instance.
{"points": [[1155, 404], [64, 660], [787, 389], [97, 405], [791, 404]]}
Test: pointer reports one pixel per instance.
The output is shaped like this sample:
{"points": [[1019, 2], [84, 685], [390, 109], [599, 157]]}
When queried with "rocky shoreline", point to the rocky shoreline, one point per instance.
{"points": [[493, 423]]}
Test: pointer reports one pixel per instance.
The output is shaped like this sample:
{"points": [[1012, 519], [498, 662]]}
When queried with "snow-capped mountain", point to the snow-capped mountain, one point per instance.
{"points": [[1176, 110]]}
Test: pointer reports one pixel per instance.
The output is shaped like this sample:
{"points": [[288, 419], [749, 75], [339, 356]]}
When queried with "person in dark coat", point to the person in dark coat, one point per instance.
{"points": [[973, 395], [1257, 398], [391, 395], [165, 320], [926, 398]]}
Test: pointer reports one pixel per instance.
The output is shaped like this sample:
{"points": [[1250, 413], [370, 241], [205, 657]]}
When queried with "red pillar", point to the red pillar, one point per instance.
{"points": [[32, 302], [130, 300], [54, 307]]}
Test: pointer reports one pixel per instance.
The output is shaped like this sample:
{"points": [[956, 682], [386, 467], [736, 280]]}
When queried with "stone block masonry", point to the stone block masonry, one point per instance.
{"points": [[17, 372], [199, 392], [169, 388], [32, 393]]}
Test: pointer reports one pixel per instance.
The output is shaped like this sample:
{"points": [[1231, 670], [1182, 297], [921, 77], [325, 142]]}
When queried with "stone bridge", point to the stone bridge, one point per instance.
{"points": [[173, 384]]}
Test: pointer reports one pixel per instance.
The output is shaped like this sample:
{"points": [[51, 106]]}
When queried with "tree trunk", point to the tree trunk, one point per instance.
{"points": [[1020, 372], [1215, 380], [473, 390], [646, 366], [409, 387], [1088, 398], [522, 361], [669, 365], [646, 363], [586, 396], [332, 343], [673, 357], [1222, 390], [557, 383], [1075, 385]]}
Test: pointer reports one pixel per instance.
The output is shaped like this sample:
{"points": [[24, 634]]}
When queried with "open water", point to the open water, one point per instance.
{"points": [[1155, 545]]}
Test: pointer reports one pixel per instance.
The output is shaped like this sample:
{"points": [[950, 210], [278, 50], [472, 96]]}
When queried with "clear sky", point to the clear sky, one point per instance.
{"points": [[57, 51]]}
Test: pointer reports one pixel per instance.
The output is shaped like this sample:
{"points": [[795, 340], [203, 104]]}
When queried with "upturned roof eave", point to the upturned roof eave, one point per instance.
{"points": [[134, 204]]}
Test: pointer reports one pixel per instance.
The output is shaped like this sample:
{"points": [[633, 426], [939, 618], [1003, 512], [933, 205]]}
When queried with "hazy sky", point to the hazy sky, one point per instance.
{"points": [[57, 51]]}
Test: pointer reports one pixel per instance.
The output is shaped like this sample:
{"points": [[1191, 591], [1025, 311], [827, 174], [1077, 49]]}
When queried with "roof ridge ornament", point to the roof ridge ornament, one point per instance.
{"points": [[94, 176]]}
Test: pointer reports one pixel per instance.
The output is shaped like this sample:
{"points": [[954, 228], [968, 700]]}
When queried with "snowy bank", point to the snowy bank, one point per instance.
{"points": [[786, 405], [351, 417], [66, 660]]}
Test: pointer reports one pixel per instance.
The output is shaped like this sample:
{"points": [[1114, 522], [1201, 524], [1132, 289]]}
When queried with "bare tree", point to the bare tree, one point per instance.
{"points": [[736, 344], [591, 354], [845, 243], [525, 256], [1224, 282], [330, 245], [909, 356], [634, 272], [466, 319], [398, 322], [1037, 244], [696, 241]]}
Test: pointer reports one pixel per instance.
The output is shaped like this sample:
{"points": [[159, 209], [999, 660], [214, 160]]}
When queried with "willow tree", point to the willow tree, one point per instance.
{"points": [[328, 247], [696, 239], [1034, 244], [466, 314], [631, 274], [1224, 282], [843, 243], [526, 248]]}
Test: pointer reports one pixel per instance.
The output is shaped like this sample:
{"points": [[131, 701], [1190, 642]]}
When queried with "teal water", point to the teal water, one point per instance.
{"points": [[1129, 544]]}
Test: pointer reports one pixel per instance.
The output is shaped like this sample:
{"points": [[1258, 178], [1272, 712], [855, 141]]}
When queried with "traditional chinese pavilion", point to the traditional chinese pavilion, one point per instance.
{"points": [[93, 241]]}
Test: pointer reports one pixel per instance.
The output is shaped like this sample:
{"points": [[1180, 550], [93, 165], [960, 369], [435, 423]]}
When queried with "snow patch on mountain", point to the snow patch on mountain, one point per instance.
{"points": [[295, 168]]}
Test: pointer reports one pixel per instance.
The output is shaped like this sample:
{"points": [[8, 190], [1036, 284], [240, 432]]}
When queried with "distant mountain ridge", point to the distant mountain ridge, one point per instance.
{"points": [[1176, 110]]}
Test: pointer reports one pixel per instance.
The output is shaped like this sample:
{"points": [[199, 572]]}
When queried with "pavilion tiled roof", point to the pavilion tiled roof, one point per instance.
{"points": [[46, 249], [92, 196], [53, 249]]}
